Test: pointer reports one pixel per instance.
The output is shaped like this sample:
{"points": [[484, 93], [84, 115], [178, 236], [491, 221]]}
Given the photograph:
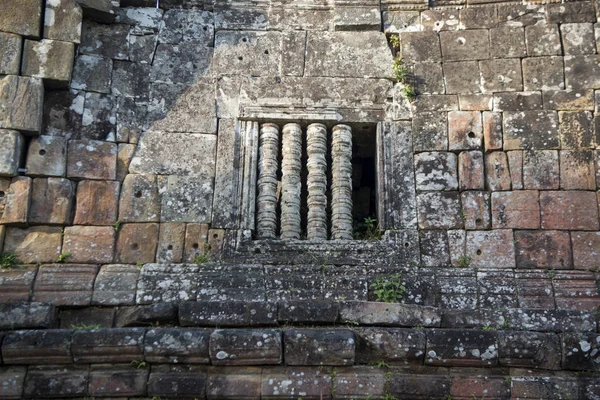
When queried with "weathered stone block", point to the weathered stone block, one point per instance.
{"points": [[115, 345], [569, 100], [576, 290], [443, 19], [575, 210], [494, 248], [115, 285], [476, 210], [11, 152], [125, 154], [185, 25], [140, 17], [497, 173], [92, 73], [436, 171], [578, 38], [420, 47], [35, 244], [515, 163], [286, 382], [65, 285], [23, 18], [391, 345], [154, 314], [21, 103], [11, 380], [137, 243], [465, 45], [234, 382], [352, 383], [177, 345], [471, 170], [462, 77], [461, 348], [62, 113], [428, 78], [47, 156], [507, 42], [79, 318], [414, 385], [17, 201], [543, 40], [576, 129], [92, 159], [357, 19], [27, 316], [517, 101], [89, 244], [529, 350], [50, 381], [225, 314], [62, 21], [108, 40], [15, 284], [541, 169], [192, 196], [196, 236], [586, 248], [177, 381], [518, 209], [99, 117], [182, 65], [543, 73], [171, 243], [544, 249], [319, 347], [571, 13], [475, 102], [52, 201], [519, 15], [10, 53], [97, 203], [51, 60], [140, 201], [439, 210], [401, 21], [579, 351], [51, 346], [519, 135], [492, 131], [131, 80], [577, 170], [464, 130], [582, 72], [245, 347], [117, 381], [501, 75], [430, 131], [301, 312], [386, 314], [434, 249]]}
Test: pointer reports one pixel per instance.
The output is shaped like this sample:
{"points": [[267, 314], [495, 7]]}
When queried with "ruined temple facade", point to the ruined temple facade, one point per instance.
{"points": [[215, 198]]}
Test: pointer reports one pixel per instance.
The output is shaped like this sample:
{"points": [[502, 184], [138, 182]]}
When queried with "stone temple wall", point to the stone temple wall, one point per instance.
{"points": [[128, 177]]}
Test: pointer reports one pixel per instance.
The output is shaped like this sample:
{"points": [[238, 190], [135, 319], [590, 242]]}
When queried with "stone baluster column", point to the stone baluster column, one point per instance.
{"points": [[316, 144], [341, 184], [291, 185], [268, 165]]}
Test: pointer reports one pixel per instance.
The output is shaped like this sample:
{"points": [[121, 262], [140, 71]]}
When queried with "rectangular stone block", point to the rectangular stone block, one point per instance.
{"points": [[56, 382], [11, 380], [115, 345], [23, 18], [573, 210], [465, 45], [465, 130], [582, 72], [52, 201], [501, 75], [578, 38], [541, 169], [476, 210], [50, 60], [534, 289], [108, 40], [518, 209], [436, 171], [10, 53], [177, 381], [385, 314], [494, 248], [586, 247], [236, 382], [139, 201], [92, 159], [241, 347], [285, 382], [227, 313], [27, 316], [543, 73], [11, 152], [515, 164], [519, 135], [105, 381], [497, 172], [63, 21], [301, 312], [543, 249], [492, 131], [17, 201], [569, 100], [89, 244], [434, 249], [16, 284], [392, 345], [21, 103], [47, 156], [319, 347], [137, 243], [543, 40], [196, 237], [97, 203], [159, 313], [551, 320], [65, 284], [192, 194], [461, 348], [99, 121], [497, 289], [418, 47], [353, 383], [51, 346], [475, 102], [115, 285], [462, 77], [39, 244], [576, 290], [414, 385], [577, 170], [170, 243], [439, 210], [579, 350], [517, 101], [529, 350], [471, 170], [508, 41], [571, 13], [177, 345], [92, 73]]}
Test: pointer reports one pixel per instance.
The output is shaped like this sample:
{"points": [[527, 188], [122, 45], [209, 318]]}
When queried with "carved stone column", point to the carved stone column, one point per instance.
{"points": [[341, 184], [316, 145], [291, 185], [266, 202]]}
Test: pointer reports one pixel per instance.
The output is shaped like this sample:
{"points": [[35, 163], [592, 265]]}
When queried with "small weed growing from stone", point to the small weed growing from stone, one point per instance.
{"points": [[8, 260], [464, 261], [389, 290], [395, 42], [367, 230], [487, 327], [201, 259], [117, 226], [63, 258], [139, 264], [138, 364], [507, 379], [85, 327], [401, 73], [382, 364]]}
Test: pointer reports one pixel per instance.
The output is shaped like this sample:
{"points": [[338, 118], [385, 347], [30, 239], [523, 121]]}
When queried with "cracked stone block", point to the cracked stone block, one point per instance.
{"points": [[92, 159], [115, 381], [430, 131], [541, 169], [507, 42], [177, 345], [34, 244], [136, 243], [586, 248], [515, 163], [543, 249], [11, 152], [52, 201], [62, 21], [50, 381], [465, 45], [142, 46], [51, 60], [47, 156], [23, 17], [439, 210], [543, 40], [97, 203], [319, 347], [519, 209], [576, 129], [571, 13], [69, 284], [419, 47], [582, 72], [497, 172], [92, 73], [109, 41], [240, 347], [434, 249], [108, 345], [140, 201], [10, 53], [519, 135], [99, 117], [574, 210], [462, 77], [569, 100], [492, 131], [517, 101], [494, 248], [436, 171], [461, 348], [543, 73], [62, 113], [21, 103], [476, 210], [369, 50], [578, 39], [115, 285], [104, 11], [577, 170], [140, 17], [501, 75], [17, 201], [124, 156], [465, 131], [37, 347], [131, 79], [89, 244]]}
